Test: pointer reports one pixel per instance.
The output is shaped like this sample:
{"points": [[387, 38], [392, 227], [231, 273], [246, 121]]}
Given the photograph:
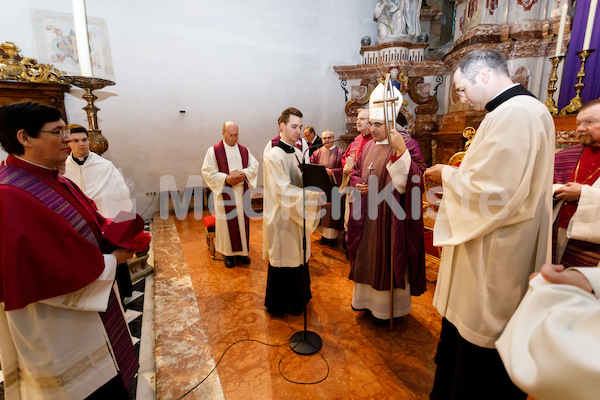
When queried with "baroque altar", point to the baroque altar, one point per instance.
{"points": [[524, 31]]}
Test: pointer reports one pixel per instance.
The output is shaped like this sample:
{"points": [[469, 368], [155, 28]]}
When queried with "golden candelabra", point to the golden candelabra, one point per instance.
{"points": [[576, 101], [552, 84], [98, 143]]}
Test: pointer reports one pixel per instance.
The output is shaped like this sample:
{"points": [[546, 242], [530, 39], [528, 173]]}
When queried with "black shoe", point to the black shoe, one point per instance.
{"points": [[242, 259], [230, 262], [380, 322], [328, 242]]}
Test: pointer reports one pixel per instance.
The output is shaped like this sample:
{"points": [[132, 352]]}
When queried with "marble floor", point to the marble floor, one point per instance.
{"points": [[358, 359]]}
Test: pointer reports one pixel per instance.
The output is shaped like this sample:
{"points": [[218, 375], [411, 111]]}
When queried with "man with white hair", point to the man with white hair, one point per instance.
{"points": [[394, 229], [330, 156]]}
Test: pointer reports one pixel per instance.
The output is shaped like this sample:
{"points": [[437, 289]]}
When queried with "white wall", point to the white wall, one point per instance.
{"points": [[241, 60]]}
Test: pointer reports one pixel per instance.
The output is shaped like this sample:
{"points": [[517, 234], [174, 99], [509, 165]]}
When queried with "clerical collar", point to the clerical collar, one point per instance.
{"points": [[384, 141], [78, 160], [289, 149], [32, 163], [509, 93]]}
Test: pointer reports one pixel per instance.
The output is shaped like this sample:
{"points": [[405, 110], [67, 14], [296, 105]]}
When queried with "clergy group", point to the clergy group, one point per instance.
{"points": [[500, 220]]}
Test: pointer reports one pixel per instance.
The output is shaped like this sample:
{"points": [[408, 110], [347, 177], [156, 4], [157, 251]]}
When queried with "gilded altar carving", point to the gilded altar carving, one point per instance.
{"points": [[17, 68]]}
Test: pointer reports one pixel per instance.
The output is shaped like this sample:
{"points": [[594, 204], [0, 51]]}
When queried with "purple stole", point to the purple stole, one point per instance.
{"points": [[112, 318], [22, 179], [232, 223], [277, 138]]}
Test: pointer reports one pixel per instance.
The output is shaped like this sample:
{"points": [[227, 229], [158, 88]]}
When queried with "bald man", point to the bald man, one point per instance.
{"points": [[229, 170]]}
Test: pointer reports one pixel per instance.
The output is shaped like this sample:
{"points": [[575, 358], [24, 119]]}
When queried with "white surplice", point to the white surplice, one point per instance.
{"points": [[58, 348], [283, 209], [102, 182], [216, 182], [305, 147], [489, 252], [551, 347]]}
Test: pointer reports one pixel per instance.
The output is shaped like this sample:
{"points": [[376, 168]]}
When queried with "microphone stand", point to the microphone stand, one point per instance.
{"points": [[306, 342]]}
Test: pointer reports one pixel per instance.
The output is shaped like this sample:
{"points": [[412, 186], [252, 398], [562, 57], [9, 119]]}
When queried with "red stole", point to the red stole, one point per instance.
{"points": [[232, 223], [364, 139], [586, 172]]}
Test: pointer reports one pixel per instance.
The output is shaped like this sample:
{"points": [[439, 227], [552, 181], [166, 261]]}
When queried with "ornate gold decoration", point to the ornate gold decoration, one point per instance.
{"points": [[577, 102], [98, 143], [468, 133], [15, 67], [551, 84]]}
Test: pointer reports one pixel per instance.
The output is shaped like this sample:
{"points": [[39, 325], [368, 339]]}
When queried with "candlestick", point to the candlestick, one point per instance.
{"points": [[98, 143], [561, 30], [81, 37], [577, 102], [552, 84], [590, 25]]}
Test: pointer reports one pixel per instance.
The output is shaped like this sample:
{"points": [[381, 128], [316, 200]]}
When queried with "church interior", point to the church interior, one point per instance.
{"points": [[164, 78]]}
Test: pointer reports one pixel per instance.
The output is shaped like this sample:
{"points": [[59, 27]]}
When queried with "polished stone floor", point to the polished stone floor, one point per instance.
{"points": [[358, 359]]}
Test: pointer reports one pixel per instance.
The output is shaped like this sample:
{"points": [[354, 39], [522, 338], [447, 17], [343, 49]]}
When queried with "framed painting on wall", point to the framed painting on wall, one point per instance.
{"points": [[55, 37]]}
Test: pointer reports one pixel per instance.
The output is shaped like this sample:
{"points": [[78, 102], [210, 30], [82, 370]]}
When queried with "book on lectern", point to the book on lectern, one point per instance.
{"points": [[315, 178]]}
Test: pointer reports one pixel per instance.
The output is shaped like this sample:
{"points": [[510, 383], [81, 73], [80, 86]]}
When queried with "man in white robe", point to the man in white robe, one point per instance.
{"points": [[494, 226], [287, 280], [300, 145], [230, 169], [96, 176], [102, 182], [550, 346]]}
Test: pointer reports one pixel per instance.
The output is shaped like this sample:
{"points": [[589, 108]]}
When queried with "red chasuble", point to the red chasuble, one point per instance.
{"points": [[62, 255]]}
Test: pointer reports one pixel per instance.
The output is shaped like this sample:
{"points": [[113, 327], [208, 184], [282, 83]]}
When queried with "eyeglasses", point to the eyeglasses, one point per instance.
{"points": [[376, 124], [461, 90], [62, 133]]}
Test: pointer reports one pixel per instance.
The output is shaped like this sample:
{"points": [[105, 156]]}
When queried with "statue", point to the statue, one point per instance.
{"points": [[381, 16], [397, 20], [413, 18]]}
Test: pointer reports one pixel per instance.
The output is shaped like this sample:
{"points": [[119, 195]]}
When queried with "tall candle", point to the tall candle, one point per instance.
{"points": [[81, 36], [561, 30], [590, 25]]}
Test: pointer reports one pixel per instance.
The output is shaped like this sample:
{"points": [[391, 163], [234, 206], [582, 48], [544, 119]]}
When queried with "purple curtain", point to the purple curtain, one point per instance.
{"points": [[591, 89]]}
